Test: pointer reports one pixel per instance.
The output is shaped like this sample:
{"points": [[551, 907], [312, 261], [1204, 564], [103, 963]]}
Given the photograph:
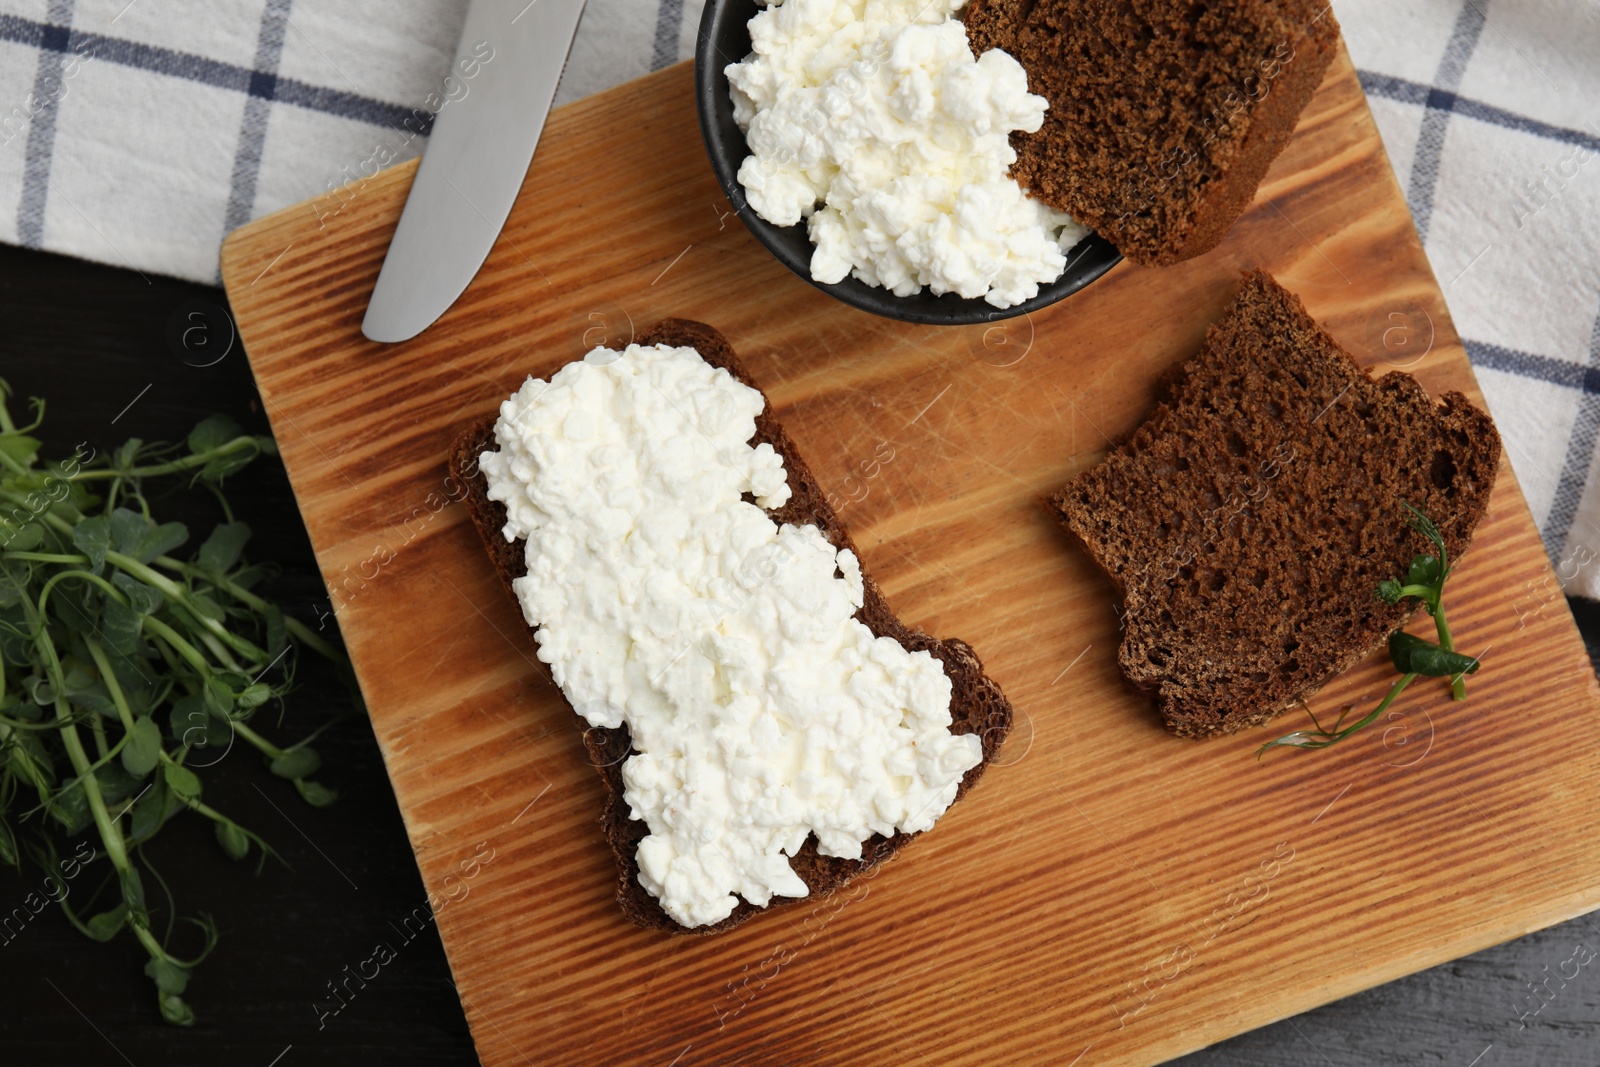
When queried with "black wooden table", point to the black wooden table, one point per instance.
{"points": [[119, 355]]}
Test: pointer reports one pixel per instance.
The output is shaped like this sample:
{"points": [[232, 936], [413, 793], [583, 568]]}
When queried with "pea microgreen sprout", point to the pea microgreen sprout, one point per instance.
{"points": [[1425, 582], [1413, 657], [128, 666]]}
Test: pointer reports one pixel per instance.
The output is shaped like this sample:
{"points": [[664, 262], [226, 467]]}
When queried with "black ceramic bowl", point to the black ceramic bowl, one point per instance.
{"points": [[724, 39]]}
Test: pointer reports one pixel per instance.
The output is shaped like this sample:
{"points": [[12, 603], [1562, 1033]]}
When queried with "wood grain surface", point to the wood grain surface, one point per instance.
{"points": [[1108, 892]]}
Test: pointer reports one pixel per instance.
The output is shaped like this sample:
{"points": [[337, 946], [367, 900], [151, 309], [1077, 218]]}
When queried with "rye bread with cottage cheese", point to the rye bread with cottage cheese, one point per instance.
{"points": [[1248, 521], [977, 706], [1164, 114]]}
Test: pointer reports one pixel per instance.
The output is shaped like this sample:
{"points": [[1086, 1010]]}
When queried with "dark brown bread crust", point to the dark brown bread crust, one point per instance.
{"points": [[1249, 520], [977, 706], [1164, 114]]}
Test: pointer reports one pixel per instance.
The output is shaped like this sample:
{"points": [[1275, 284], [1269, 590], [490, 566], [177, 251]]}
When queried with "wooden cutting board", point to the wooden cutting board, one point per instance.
{"points": [[1108, 892]]}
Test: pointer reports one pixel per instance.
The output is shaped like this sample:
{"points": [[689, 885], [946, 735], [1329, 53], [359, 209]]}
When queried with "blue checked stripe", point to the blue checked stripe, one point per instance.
{"points": [[1586, 427], [1580, 456], [257, 107], [1439, 102], [1430, 139], [52, 44], [195, 68], [1539, 368], [1410, 92], [669, 21]]}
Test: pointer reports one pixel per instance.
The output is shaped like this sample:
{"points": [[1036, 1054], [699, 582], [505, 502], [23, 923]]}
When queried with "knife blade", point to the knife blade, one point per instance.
{"points": [[477, 156]]}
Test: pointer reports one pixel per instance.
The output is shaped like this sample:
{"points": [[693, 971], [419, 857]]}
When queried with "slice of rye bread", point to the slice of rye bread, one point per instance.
{"points": [[977, 705], [1249, 520], [1164, 114]]}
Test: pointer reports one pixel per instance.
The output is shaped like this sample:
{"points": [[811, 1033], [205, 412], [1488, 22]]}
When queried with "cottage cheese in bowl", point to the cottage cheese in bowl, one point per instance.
{"points": [[873, 121]]}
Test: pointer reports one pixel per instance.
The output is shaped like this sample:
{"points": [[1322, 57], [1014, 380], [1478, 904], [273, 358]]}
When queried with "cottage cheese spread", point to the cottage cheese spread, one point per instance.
{"points": [[760, 710], [873, 119]]}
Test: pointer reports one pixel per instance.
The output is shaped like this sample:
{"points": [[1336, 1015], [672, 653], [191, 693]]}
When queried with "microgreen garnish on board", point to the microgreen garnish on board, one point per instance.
{"points": [[1413, 657], [127, 666]]}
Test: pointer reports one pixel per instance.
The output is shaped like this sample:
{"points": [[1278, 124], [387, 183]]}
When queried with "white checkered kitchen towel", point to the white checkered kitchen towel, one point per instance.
{"points": [[139, 132]]}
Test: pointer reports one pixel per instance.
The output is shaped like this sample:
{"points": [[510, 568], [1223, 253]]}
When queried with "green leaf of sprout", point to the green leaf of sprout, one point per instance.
{"points": [[162, 540], [218, 470], [149, 812], [182, 781], [121, 626], [1415, 655], [70, 807], [92, 537], [212, 433], [254, 696], [174, 1010], [128, 454], [78, 609], [207, 608], [233, 840], [77, 676], [142, 598], [223, 547], [116, 784], [195, 724], [315, 793], [188, 714], [108, 924], [218, 697], [20, 447], [168, 976], [143, 750], [299, 762], [277, 631], [96, 699], [128, 528], [1424, 570], [21, 538]]}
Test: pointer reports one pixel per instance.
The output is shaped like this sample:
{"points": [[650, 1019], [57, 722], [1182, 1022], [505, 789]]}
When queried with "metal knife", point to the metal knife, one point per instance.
{"points": [[476, 159]]}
